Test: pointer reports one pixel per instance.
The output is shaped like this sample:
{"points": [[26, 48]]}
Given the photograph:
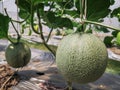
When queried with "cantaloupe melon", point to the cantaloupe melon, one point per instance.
{"points": [[18, 55], [81, 58]]}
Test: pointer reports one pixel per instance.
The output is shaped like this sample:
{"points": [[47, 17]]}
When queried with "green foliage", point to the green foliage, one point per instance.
{"points": [[25, 8], [79, 28], [112, 40], [51, 18], [114, 33], [67, 32], [23, 14], [118, 38], [100, 28], [24, 5], [96, 9], [57, 21], [4, 24], [116, 13], [35, 2], [108, 41], [68, 4], [72, 13], [62, 14], [89, 31], [112, 2], [113, 67]]}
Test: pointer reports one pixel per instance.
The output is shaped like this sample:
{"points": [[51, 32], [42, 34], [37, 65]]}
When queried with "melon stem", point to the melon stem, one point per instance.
{"points": [[18, 35], [101, 24]]}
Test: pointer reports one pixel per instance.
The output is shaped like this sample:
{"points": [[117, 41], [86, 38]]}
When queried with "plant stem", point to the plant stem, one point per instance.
{"points": [[18, 35], [63, 9], [10, 40], [100, 24], [85, 9], [40, 28], [21, 21], [41, 33], [82, 12], [49, 35], [32, 21], [81, 9], [50, 7], [40, 25]]}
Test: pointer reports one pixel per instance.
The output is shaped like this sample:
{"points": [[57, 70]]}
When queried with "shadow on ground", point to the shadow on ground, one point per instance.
{"points": [[30, 79], [2, 48], [106, 82]]}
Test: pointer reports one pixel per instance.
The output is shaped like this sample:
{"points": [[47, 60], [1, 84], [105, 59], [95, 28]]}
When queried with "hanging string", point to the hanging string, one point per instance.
{"points": [[2, 6], [18, 26], [85, 10]]}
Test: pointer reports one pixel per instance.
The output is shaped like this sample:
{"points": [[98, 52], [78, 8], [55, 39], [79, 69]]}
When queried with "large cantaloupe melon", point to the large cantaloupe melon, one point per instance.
{"points": [[81, 58], [18, 55]]}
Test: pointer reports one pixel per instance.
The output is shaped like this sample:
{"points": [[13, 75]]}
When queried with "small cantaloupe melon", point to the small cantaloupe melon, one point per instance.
{"points": [[18, 55], [81, 58]]}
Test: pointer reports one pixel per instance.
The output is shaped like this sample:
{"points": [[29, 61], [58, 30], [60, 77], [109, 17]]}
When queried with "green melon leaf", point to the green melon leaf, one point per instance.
{"points": [[97, 9], [4, 24], [23, 14], [57, 21], [68, 4], [72, 13], [24, 5], [65, 22]]}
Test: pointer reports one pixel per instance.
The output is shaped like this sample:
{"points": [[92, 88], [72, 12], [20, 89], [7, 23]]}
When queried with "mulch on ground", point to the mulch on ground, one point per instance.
{"points": [[116, 50], [7, 77]]}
